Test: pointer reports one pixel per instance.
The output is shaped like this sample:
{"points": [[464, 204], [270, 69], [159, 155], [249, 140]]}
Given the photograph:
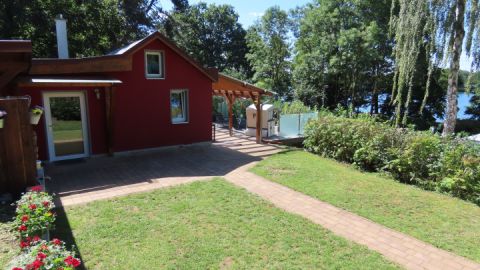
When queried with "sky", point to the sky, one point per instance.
{"points": [[250, 10]]}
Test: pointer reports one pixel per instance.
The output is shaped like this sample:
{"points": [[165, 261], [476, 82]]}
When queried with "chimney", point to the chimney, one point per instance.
{"points": [[62, 42]]}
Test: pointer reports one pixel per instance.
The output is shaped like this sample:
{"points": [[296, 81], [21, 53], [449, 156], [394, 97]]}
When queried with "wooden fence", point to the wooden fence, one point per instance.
{"points": [[17, 147]]}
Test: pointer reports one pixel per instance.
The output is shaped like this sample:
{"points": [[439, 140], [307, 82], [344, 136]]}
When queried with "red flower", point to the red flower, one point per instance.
{"points": [[36, 238], [32, 206], [41, 256], [22, 228], [24, 244], [56, 241], [36, 188], [46, 204], [17, 268], [24, 218], [72, 261], [35, 265]]}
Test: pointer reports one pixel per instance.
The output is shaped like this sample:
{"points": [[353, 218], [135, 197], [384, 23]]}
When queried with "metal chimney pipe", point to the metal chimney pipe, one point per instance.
{"points": [[62, 41]]}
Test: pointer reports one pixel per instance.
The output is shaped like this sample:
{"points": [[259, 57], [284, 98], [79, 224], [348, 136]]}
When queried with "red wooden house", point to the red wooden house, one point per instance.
{"points": [[146, 95]]}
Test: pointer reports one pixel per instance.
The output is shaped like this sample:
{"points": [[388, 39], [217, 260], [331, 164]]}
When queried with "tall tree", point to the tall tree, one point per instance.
{"points": [[94, 27], [269, 55], [438, 27], [343, 52], [209, 33]]}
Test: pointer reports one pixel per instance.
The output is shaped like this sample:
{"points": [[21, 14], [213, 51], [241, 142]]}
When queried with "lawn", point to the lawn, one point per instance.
{"points": [[206, 225], [9, 246], [67, 130], [440, 220]]}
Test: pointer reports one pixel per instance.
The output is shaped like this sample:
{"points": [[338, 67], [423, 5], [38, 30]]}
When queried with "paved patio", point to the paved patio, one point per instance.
{"points": [[82, 181]]}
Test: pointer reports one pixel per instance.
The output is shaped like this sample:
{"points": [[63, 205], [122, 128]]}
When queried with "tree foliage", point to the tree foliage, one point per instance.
{"points": [[94, 27], [343, 52], [209, 33], [438, 28], [270, 51]]}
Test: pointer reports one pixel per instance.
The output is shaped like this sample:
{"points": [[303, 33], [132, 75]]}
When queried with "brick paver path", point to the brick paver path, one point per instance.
{"points": [[398, 247]]}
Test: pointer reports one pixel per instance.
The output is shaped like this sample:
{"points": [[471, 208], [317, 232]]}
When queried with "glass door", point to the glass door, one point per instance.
{"points": [[67, 134]]}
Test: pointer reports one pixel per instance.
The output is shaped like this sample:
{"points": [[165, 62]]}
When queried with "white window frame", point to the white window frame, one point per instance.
{"points": [[185, 107], [161, 67]]}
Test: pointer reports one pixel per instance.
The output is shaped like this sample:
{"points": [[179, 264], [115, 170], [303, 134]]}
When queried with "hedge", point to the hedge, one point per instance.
{"points": [[449, 165]]}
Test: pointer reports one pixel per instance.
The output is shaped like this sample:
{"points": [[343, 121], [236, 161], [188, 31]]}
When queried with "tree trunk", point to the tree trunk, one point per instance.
{"points": [[459, 32]]}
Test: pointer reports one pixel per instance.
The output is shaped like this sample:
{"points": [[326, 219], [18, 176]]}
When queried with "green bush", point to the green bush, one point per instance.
{"points": [[424, 159]]}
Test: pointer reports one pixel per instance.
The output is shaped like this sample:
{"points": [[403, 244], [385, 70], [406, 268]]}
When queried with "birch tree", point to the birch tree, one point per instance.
{"points": [[443, 28]]}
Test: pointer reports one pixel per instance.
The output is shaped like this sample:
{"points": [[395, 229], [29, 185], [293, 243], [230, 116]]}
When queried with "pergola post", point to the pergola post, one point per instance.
{"points": [[258, 105], [230, 100]]}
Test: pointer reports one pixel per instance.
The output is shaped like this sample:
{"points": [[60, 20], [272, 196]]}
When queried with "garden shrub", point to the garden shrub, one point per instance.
{"points": [[449, 165]]}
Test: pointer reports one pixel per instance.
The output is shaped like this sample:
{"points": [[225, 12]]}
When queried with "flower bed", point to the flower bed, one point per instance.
{"points": [[34, 213], [41, 254], [34, 218]]}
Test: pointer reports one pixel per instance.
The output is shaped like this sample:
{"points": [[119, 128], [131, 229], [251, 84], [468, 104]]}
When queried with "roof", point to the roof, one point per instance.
{"points": [[118, 60], [229, 85], [265, 107], [15, 58], [67, 81]]}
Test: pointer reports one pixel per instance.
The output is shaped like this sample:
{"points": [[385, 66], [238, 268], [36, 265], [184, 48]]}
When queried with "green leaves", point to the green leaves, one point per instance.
{"points": [[270, 51]]}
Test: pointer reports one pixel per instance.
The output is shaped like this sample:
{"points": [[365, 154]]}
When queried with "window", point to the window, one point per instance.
{"points": [[154, 66], [179, 106]]}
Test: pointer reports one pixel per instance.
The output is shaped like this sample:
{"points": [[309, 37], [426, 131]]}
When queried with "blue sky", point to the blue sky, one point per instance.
{"points": [[250, 10]]}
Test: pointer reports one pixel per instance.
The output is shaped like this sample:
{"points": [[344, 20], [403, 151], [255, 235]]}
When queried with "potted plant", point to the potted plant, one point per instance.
{"points": [[2, 116], [35, 114]]}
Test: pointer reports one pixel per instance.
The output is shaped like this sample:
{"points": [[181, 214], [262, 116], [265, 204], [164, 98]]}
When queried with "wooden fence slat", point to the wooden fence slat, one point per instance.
{"points": [[17, 154]]}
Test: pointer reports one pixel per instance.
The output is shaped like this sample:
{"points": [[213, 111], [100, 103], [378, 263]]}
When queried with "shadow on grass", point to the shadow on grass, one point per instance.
{"points": [[63, 231]]}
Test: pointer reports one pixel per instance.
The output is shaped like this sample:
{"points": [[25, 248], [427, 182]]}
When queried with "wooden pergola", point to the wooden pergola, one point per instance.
{"points": [[231, 88]]}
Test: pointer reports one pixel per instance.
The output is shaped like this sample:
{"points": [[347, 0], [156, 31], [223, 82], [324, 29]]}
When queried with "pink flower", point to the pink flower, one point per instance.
{"points": [[22, 228], [36, 238], [46, 204], [72, 261], [56, 241], [36, 188], [41, 256], [24, 218], [32, 206]]}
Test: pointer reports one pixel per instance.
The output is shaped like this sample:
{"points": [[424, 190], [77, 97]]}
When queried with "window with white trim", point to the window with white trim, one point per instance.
{"points": [[154, 64], [179, 106]]}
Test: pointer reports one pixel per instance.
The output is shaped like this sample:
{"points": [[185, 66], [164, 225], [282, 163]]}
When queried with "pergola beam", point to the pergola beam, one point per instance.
{"points": [[231, 88]]}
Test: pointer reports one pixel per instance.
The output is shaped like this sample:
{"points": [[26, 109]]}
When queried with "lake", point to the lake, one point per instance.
{"points": [[463, 103]]}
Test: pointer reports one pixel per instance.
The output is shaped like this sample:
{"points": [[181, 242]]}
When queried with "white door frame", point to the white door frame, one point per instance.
{"points": [[49, 130]]}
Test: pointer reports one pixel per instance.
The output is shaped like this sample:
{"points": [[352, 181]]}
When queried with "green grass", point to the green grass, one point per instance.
{"points": [[207, 225], [440, 220], [8, 242], [67, 130]]}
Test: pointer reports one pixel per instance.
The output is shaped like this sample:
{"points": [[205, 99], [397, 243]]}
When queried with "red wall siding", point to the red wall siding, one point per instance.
{"points": [[95, 114], [142, 107], [142, 116]]}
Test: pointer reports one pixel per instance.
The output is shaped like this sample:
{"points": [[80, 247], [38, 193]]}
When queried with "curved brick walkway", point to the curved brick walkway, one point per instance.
{"points": [[398, 247]]}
